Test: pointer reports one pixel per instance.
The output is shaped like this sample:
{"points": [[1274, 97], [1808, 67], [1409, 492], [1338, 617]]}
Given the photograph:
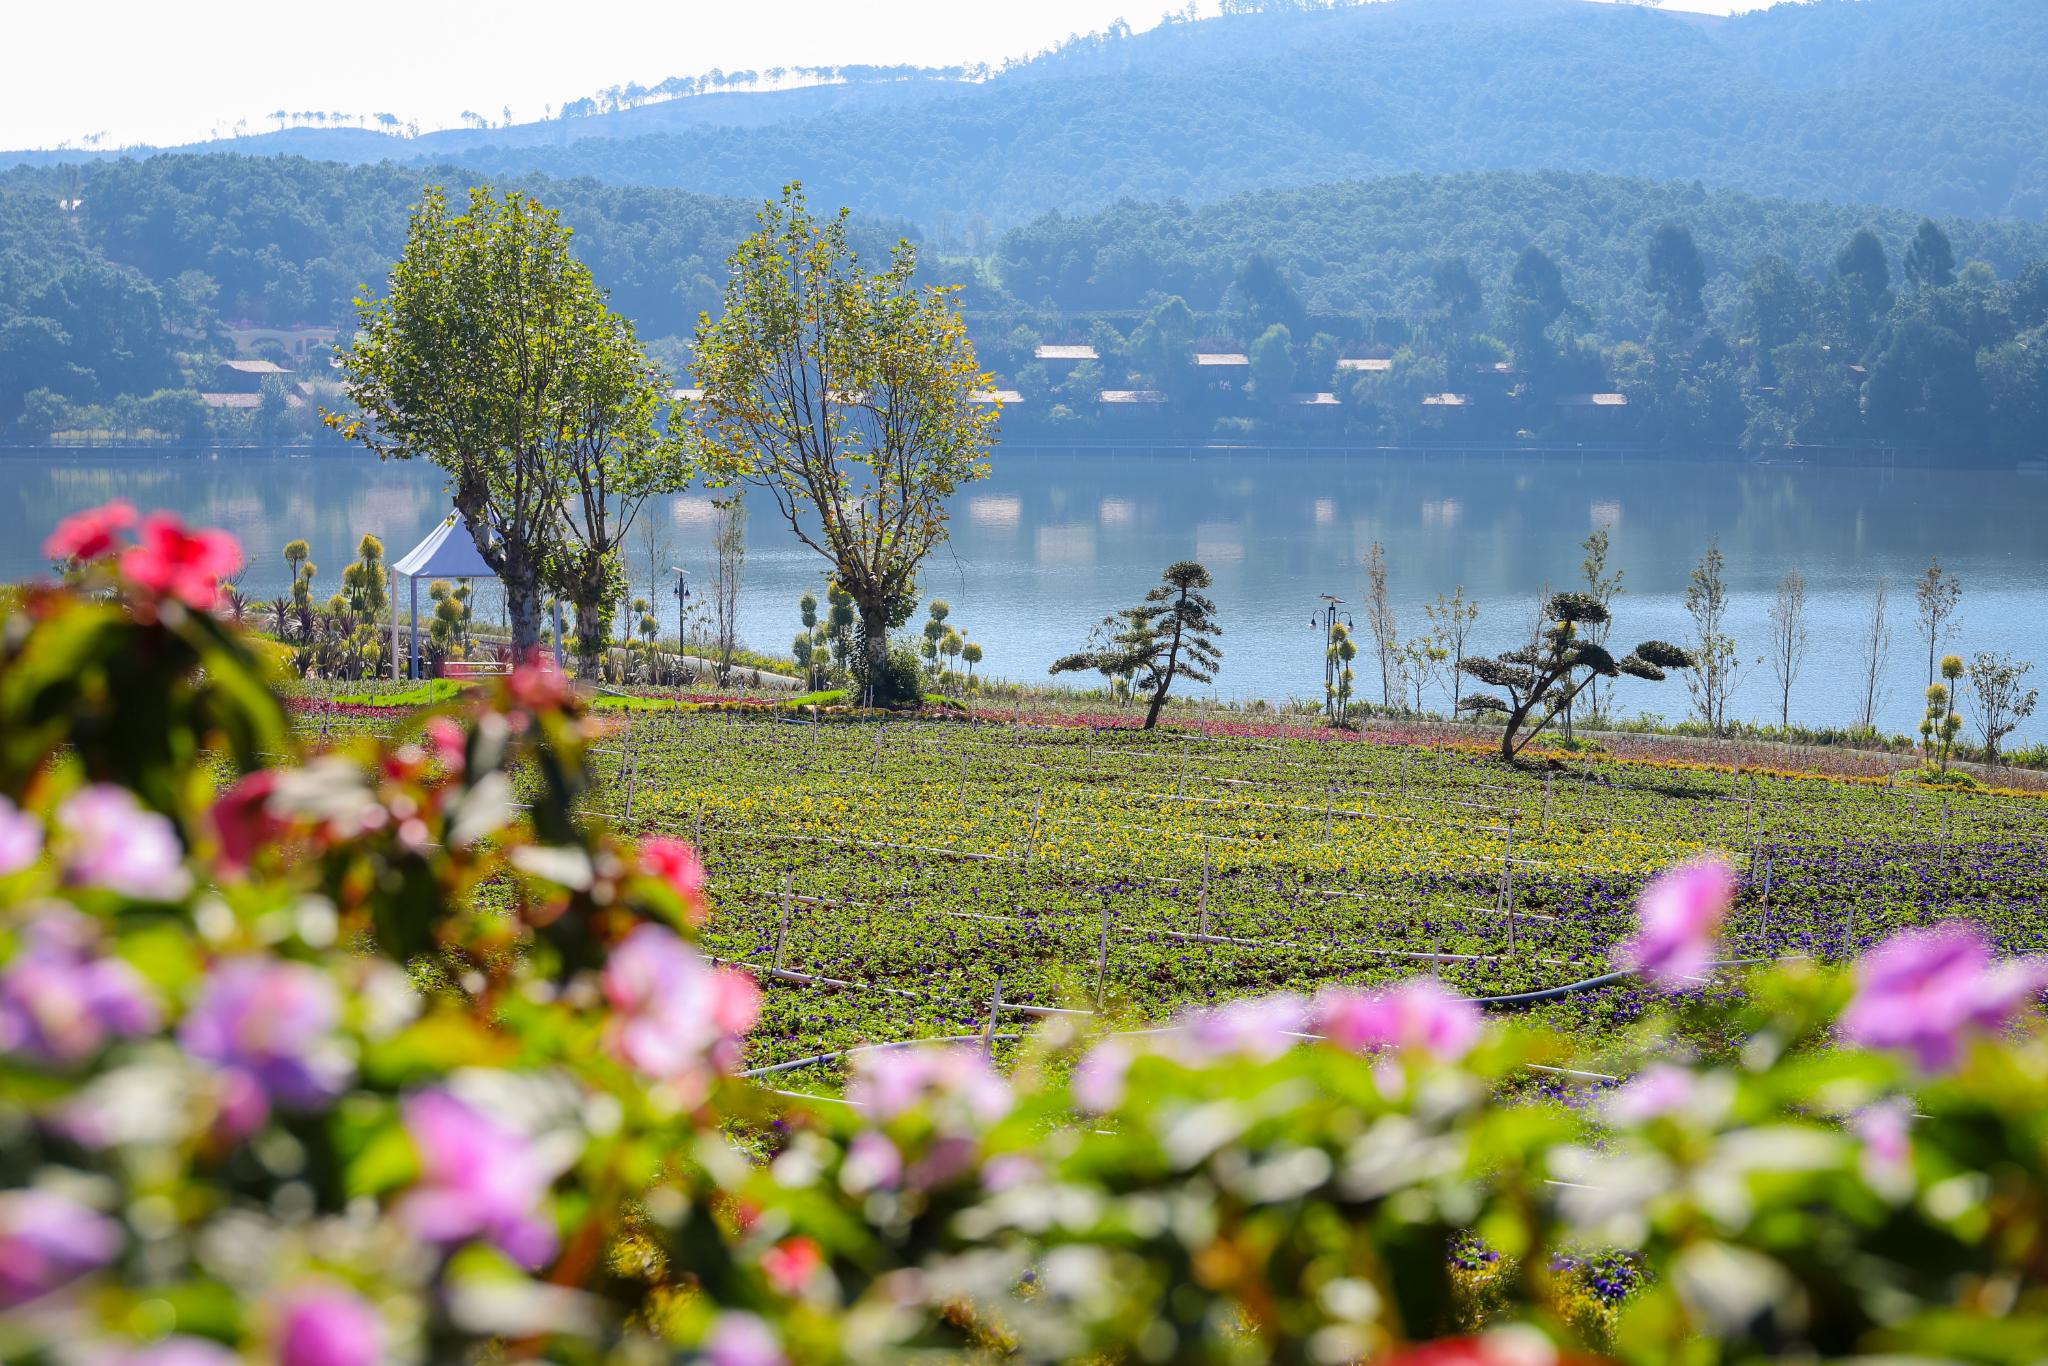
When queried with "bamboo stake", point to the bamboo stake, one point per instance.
{"points": [[782, 924], [1102, 956], [995, 1006]]}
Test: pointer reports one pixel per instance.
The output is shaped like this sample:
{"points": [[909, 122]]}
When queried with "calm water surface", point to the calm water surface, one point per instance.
{"points": [[1054, 541]]}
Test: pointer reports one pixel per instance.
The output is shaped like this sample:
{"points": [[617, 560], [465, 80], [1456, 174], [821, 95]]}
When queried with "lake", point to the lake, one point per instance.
{"points": [[1053, 541]]}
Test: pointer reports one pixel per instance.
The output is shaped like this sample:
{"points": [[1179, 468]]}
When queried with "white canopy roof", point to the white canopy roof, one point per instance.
{"points": [[449, 552]]}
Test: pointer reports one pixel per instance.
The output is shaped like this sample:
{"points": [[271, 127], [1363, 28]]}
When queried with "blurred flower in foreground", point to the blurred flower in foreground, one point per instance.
{"points": [[90, 535], [1922, 991], [1679, 917], [677, 864], [175, 563], [48, 1240], [742, 1340], [110, 841], [478, 1179], [60, 1001], [329, 1326], [269, 1026], [958, 1084], [675, 1014], [1421, 1016], [21, 839]]}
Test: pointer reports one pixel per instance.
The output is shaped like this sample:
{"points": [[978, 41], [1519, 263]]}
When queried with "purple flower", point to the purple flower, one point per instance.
{"points": [[957, 1084], [21, 839], [1679, 917], [60, 1002], [269, 1026], [1420, 1015], [1654, 1092], [1922, 991], [742, 1340], [110, 841], [48, 1240], [672, 1012], [328, 1326], [478, 1179]]}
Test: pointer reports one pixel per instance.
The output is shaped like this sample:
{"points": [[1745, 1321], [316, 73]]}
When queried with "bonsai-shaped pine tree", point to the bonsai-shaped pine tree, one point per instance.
{"points": [[1556, 667], [1170, 634]]}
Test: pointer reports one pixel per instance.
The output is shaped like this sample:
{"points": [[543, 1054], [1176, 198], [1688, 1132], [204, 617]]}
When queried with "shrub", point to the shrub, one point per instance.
{"points": [[355, 1058]]}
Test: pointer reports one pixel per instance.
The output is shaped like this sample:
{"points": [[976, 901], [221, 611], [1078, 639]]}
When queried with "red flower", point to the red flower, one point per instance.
{"points": [[1492, 1350], [242, 820], [172, 562], [790, 1264], [677, 864], [536, 685], [91, 534]]}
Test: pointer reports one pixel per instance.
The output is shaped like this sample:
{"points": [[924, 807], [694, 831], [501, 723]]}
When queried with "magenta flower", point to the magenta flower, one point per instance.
{"points": [[1420, 1015], [673, 1013], [1923, 991], [1678, 918], [91, 534], [60, 1002], [328, 1326], [110, 841], [21, 839], [174, 562], [269, 1026], [739, 1339], [49, 1240], [478, 1179], [956, 1084]]}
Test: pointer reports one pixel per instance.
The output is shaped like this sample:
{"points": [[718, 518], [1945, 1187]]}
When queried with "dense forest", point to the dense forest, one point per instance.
{"points": [[121, 282], [1933, 106]]}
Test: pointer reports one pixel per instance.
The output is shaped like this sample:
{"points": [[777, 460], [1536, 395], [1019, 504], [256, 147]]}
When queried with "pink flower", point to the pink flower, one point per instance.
{"points": [[110, 841], [1886, 1159], [21, 839], [1922, 991], [956, 1084], [61, 1002], [1654, 1092], [1420, 1015], [1098, 1081], [872, 1163], [449, 742], [478, 1179], [91, 534], [1261, 1027], [329, 1326], [270, 1027], [47, 1241], [677, 864], [175, 563], [1679, 916], [742, 1340], [791, 1264], [673, 1013]]}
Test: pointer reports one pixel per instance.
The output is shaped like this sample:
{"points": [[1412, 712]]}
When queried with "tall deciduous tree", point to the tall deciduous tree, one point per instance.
{"points": [[844, 394], [1715, 664], [2000, 699], [493, 355], [1171, 634], [1935, 599], [1789, 638], [1877, 649]]}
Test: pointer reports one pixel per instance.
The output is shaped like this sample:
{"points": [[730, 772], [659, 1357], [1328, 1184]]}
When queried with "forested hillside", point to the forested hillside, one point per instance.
{"points": [[1928, 105]]}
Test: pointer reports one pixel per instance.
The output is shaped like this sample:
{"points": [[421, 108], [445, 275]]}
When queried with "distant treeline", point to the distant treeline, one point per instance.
{"points": [[124, 278]]}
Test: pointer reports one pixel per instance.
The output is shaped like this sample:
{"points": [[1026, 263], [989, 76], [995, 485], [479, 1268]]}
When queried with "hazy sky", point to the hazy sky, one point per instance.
{"points": [[150, 71]]}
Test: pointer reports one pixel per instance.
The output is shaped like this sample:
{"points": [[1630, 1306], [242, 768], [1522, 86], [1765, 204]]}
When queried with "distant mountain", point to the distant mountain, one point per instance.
{"points": [[1927, 105]]}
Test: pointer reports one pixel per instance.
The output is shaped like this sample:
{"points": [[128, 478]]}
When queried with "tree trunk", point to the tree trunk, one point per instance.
{"points": [[522, 604], [1166, 675]]}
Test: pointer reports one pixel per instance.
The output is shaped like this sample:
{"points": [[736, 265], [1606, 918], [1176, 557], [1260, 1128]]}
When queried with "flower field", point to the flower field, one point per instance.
{"points": [[925, 865]]}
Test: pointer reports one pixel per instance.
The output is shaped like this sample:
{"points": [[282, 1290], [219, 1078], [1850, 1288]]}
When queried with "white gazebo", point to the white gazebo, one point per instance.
{"points": [[448, 552]]}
